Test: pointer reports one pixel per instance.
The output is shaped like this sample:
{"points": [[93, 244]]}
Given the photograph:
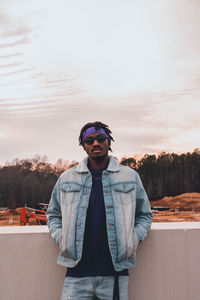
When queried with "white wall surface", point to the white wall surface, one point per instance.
{"points": [[168, 264]]}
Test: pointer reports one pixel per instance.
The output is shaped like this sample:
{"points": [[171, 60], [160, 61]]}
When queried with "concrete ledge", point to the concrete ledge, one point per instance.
{"points": [[168, 264]]}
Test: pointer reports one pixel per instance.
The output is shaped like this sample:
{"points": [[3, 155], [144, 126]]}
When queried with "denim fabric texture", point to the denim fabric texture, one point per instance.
{"points": [[128, 212], [91, 288]]}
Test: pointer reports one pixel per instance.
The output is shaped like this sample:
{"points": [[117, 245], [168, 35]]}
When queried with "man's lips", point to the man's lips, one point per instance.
{"points": [[96, 149]]}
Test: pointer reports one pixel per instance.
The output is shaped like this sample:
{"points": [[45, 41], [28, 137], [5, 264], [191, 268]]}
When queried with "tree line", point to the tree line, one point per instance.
{"points": [[30, 181], [168, 174]]}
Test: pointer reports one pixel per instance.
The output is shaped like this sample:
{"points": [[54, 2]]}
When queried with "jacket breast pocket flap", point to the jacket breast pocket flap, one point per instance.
{"points": [[71, 187], [124, 187], [125, 192]]}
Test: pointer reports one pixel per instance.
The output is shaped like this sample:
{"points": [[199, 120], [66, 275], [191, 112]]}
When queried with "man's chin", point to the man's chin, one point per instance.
{"points": [[99, 158]]}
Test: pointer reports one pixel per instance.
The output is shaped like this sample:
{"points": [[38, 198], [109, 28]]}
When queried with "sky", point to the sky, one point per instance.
{"points": [[132, 64]]}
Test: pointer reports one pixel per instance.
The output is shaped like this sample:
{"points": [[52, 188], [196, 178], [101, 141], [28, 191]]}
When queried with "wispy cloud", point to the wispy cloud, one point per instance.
{"points": [[15, 43]]}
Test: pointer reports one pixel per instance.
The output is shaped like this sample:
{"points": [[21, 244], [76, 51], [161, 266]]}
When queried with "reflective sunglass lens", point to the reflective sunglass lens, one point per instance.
{"points": [[100, 139], [89, 141]]}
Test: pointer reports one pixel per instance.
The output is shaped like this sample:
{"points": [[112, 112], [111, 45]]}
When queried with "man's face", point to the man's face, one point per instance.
{"points": [[97, 150]]}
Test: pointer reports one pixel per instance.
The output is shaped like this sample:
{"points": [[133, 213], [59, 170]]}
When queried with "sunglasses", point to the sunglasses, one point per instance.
{"points": [[98, 138]]}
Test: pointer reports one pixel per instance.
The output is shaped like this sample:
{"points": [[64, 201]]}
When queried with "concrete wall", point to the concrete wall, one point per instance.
{"points": [[168, 264]]}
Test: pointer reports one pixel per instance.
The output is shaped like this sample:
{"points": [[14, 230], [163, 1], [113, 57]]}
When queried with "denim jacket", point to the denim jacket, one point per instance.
{"points": [[128, 212]]}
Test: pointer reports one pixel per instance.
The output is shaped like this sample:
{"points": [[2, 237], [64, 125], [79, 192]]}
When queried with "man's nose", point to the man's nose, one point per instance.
{"points": [[96, 142]]}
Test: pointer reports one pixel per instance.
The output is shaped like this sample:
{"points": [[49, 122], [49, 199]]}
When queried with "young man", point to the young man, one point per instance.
{"points": [[98, 214]]}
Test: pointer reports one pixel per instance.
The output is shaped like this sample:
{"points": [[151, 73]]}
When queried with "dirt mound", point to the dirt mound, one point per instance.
{"points": [[187, 201], [182, 208]]}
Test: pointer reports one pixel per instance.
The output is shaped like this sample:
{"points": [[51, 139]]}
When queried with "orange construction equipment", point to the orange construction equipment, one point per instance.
{"points": [[37, 214], [24, 216]]}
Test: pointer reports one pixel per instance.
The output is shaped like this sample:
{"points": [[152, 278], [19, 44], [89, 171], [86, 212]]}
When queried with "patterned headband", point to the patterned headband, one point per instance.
{"points": [[91, 130]]}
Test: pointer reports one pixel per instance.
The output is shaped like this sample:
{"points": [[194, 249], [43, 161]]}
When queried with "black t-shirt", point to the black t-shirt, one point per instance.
{"points": [[96, 258]]}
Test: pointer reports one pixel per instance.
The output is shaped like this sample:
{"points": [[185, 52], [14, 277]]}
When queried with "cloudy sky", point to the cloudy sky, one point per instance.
{"points": [[132, 64]]}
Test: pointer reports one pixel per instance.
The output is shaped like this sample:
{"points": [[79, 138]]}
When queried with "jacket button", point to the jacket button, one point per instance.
{"points": [[77, 243], [80, 205], [78, 223]]}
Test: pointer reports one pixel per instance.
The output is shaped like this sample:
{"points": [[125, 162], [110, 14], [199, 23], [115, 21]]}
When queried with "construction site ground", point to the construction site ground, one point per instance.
{"points": [[183, 208]]}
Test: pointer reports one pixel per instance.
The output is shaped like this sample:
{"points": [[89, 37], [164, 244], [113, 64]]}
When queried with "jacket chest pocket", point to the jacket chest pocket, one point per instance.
{"points": [[125, 192], [70, 192]]}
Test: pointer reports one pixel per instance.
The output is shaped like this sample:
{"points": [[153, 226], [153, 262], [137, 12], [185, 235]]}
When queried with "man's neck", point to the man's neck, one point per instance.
{"points": [[98, 164]]}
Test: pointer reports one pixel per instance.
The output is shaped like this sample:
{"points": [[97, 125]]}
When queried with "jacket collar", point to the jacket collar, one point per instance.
{"points": [[113, 165]]}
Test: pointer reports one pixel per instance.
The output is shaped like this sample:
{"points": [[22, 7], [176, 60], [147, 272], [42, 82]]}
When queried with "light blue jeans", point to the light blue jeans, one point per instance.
{"points": [[87, 288]]}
